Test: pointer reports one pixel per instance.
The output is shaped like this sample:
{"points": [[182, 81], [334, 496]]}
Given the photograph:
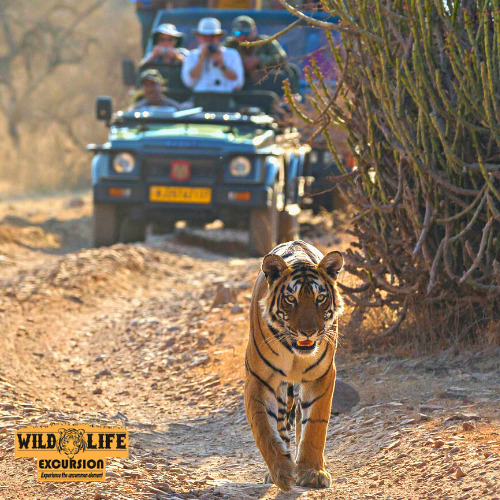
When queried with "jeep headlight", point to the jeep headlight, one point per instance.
{"points": [[240, 166], [124, 163]]}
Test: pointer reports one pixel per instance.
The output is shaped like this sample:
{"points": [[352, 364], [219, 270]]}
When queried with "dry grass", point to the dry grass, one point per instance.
{"points": [[60, 120]]}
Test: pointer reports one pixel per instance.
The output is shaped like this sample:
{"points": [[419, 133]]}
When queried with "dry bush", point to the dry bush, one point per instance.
{"points": [[419, 83]]}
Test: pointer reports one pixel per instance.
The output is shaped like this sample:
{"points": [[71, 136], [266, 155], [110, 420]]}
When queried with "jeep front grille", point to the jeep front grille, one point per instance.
{"points": [[203, 170]]}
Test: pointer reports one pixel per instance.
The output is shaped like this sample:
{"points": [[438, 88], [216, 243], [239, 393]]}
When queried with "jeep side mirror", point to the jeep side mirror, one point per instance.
{"points": [[129, 73], [104, 108]]}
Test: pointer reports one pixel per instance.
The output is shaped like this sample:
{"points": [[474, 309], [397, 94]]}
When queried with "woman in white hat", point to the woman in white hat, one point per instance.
{"points": [[211, 67], [166, 46]]}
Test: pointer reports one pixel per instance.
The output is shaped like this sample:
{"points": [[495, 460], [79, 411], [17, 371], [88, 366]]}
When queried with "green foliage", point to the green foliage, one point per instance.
{"points": [[418, 94]]}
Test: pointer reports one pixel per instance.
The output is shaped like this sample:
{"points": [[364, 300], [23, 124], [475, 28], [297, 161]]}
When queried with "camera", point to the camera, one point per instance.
{"points": [[212, 48]]}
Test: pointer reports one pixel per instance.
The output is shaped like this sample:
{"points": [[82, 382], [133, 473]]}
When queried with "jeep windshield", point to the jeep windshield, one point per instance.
{"points": [[134, 131]]}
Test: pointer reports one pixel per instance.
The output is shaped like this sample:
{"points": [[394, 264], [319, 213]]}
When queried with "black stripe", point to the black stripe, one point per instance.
{"points": [[330, 366], [281, 372], [280, 401], [262, 333], [290, 390], [307, 404], [263, 382], [314, 421], [271, 414], [314, 365], [286, 439], [282, 411], [281, 419]]}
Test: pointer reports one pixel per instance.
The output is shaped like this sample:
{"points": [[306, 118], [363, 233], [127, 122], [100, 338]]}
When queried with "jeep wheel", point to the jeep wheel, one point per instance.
{"points": [[264, 228], [288, 229], [105, 225], [132, 231]]}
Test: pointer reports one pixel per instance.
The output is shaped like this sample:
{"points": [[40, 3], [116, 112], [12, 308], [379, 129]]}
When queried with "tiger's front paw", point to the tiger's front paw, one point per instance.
{"points": [[282, 475], [314, 478]]}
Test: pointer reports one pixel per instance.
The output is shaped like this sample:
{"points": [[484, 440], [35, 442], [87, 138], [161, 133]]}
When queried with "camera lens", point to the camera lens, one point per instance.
{"points": [[217, 82]]}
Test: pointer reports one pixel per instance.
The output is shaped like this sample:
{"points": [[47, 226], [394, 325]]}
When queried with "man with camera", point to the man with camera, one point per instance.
{"points": [[211, 67], [166, 47]]}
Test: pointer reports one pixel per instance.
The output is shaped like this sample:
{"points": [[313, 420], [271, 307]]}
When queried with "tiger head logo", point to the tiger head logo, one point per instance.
{"points": [[71, 441]]}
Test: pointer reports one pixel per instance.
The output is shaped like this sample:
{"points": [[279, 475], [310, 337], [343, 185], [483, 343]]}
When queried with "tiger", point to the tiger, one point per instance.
{"points": [[71, 441], [293, 339]]}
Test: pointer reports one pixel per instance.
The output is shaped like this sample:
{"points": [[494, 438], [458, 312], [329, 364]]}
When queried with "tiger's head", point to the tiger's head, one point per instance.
{"points": [[71, 441], [302, 302]]}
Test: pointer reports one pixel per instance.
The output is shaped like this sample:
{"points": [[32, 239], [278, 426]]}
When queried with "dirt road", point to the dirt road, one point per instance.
{"points": [[129, 336]]}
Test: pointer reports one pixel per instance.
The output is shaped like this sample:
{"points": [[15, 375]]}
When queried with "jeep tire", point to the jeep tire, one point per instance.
{"points": [[288, 229], [105, 225], [263, 233], [132, 231]]}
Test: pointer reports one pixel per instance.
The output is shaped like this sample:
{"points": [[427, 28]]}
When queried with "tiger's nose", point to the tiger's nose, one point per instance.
{"points": [[308, 333]]}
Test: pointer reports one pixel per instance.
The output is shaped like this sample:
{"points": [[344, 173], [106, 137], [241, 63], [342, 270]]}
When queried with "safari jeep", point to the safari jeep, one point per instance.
{"points": [[302, 43], [198, 165]]}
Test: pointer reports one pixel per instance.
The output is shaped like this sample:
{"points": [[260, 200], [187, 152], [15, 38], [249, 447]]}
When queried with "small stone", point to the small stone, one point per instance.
{"points": [[237, 309], [98, 390], [438, 443], [8, 407], [408, 421], [173, 329], [99, 358], [468, 426], [422, 417], [224, 295], [459, 473], [341, 480], [430, 408], [345, 397], [104, 373], [50, 487]]}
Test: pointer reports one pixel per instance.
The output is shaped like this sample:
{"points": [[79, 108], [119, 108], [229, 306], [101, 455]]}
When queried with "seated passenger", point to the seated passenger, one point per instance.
{"points": [[166, 47], [255, 59], [152, 88], [211, 67]]}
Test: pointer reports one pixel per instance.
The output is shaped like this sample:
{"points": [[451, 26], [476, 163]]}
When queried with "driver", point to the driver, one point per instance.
{"points": [[166, 47], [212, 67], [257, 58], [152, 88]]}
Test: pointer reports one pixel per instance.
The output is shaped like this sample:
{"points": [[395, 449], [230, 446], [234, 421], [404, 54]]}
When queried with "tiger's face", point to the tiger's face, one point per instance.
{"points": [[71, 441], [303, 301]]}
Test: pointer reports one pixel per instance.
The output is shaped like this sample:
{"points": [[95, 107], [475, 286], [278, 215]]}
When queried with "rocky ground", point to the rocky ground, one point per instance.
{"points": [[146, 337]]}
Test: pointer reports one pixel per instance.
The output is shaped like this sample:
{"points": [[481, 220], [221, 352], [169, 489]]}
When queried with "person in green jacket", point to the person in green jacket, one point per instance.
{"points": [[270, 56]]}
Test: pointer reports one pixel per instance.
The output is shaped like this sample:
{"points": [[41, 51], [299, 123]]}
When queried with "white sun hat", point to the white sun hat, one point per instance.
{"points": [[209, 26]]}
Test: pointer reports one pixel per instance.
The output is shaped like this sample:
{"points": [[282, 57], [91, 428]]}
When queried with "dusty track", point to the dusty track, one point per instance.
{"points": [[128, 336]]}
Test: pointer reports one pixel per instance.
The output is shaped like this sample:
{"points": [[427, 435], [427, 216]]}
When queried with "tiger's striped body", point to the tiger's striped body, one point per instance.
{"points": [[294, 310]]}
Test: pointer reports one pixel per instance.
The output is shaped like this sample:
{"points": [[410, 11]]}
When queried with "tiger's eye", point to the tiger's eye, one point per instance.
{"points": [[290, 299], [321, 298]]}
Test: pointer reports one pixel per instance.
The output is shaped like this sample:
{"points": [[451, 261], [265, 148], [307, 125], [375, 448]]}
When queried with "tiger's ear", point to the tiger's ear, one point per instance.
{"points": [[273, 266], [332, 263], [81, 432]]}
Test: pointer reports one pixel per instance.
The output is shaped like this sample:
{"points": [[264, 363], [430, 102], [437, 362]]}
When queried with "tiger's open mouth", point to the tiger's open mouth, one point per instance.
{"points": [[304, 345]]}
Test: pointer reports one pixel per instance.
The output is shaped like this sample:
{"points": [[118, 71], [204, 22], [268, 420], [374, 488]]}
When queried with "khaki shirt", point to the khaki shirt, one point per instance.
{"points": [[164, 102], [270, 54]]}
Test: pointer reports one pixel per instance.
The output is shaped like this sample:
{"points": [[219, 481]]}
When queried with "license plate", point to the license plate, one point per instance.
{"points": [[171, 194]]}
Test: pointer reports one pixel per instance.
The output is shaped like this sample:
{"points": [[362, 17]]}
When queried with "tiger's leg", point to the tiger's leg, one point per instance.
{"points": [[298, 428], [283, 425], [261, 406], [316, 403]]}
